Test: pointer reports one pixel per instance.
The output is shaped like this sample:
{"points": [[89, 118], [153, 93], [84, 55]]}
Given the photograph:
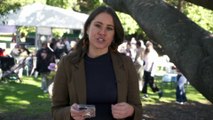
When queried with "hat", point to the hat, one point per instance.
{"points": [[52, 66]]}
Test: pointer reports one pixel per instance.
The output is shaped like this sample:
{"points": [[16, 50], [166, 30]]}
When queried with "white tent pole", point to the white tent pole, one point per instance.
{"points": [[17, 35], [36, 39]]}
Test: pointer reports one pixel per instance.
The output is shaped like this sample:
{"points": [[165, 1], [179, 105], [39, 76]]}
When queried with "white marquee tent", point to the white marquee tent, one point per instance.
{"points": [[44, 18], [40, 15]]}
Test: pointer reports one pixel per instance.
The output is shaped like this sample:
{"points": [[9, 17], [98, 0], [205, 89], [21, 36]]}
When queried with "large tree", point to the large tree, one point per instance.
{"points": [[188, 45]]}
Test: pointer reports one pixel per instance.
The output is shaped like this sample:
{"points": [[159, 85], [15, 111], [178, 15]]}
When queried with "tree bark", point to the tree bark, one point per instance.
{"points": [[180, 5], [188, 45]]}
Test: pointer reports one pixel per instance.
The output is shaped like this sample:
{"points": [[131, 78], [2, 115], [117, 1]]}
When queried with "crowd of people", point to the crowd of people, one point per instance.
{"points": [[35, 62], [145, 59]]}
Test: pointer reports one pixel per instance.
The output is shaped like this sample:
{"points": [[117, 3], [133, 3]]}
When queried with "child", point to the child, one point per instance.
{"points": [[53, 68], [180, 90]]}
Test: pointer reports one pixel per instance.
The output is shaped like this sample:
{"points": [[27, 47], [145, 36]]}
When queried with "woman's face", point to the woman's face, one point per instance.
{"points": [[101, 32]]}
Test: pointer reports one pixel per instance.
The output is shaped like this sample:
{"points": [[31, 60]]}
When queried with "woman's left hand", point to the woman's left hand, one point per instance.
{"points": [[122, 110]]}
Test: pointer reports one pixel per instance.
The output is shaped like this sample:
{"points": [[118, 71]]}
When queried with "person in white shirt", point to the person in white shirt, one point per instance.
{"points": [[150, 58], [139, 62]]}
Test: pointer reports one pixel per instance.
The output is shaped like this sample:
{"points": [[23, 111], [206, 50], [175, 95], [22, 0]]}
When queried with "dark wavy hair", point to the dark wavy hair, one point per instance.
{"points": [[82, 46]]}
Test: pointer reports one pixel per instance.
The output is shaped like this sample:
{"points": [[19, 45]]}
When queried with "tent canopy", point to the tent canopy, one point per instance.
{"points": [[7, 29], [40, 15]]}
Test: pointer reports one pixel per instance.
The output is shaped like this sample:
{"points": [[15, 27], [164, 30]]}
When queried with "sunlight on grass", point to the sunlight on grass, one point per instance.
{"points": [[31, 82], [21, 92], [194, 95], [26, 96], [28, 99], [15, 100], [43, 96], [35, 83], [169, 96]]}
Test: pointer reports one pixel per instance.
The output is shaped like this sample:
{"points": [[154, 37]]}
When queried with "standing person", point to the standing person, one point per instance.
{"points": [[44, 57], [150, 58], [180, 89], [95, 73], [24, 56], [61, 49], [139, 62], [128, 51], [13, 38], [22, 38]]}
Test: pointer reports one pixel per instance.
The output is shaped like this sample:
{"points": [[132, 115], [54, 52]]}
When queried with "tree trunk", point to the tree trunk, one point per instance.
{"points": [[180, 5], [188, 45]]}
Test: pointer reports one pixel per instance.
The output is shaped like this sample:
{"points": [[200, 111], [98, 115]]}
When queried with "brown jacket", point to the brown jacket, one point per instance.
{"points": [[70, 86]]}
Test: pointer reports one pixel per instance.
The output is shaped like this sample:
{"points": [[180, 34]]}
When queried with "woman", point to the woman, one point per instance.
{"points": [[150, 57], [96, 74]]}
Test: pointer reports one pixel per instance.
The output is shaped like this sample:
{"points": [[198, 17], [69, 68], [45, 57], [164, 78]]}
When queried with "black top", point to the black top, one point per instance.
{"points": [[101, 85], [44, 57]]}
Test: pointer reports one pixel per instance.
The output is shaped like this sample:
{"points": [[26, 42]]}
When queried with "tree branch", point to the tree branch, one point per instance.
{"points": [[188, 45], [204, 3]]}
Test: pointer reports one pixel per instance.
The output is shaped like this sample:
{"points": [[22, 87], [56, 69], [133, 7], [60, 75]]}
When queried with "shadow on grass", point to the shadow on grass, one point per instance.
{"points": [[173, 111], [24, 101], [197, 108]]}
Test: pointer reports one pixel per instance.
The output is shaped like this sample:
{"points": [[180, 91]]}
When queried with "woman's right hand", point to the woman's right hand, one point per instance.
{"points": [[75, 113]]}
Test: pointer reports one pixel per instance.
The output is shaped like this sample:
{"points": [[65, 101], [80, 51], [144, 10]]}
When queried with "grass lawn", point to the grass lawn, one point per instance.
{"points": [[196, 108], [24, 98], [169, 95], [26, 101]]}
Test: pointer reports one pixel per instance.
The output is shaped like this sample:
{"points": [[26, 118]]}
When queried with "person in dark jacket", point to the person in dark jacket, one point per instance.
{"points": [[44, 57]]}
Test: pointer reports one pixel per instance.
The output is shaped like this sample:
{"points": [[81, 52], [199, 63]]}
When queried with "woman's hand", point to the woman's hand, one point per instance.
{"points": [[75, 113], [122, 110]]}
